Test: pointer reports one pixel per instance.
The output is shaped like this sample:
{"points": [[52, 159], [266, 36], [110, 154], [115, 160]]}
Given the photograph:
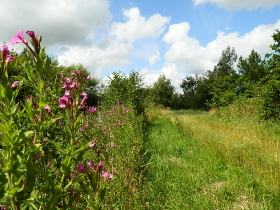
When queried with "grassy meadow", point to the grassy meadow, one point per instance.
{"points": [[199, 161]]}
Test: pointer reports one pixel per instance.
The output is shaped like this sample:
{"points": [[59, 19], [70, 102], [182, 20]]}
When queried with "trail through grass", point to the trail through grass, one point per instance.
{"points": [[199, 162]]}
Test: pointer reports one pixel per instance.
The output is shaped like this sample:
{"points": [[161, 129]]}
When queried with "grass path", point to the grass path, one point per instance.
{"points": [[196, 162]]}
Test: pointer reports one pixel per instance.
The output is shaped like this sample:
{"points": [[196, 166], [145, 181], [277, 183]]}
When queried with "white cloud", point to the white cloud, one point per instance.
{"points": [[170, 70], [137, 27], [192, 58], [70, 22], [154, 58], [106, 54], [240, 4]]}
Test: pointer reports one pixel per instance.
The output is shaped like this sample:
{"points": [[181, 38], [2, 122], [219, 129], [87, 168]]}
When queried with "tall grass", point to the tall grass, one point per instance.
{"points": [[197, 160]]}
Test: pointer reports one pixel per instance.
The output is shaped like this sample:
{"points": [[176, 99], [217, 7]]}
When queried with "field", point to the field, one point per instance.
{"points": [[198, 161]]}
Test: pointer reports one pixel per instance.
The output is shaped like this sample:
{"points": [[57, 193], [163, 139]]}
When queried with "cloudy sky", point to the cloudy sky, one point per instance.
{"points": [[172, 37]]}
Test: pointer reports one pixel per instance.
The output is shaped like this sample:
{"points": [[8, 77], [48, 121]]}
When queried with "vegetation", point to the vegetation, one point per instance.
{"points": [[65, 144]]}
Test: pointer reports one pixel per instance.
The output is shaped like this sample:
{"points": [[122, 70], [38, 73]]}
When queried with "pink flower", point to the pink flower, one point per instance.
{"points": [[67, 93], [4, 51], [47, 108], [92, 109], [92, 144], [88, 78], [18, 38], [31, 34], [84, 100], [84, 94], [91, 164], [74, 72], [81, 168], [99, 166], [49, 163], [9, 58], [63, 102], [15, 84], [105, 174]]}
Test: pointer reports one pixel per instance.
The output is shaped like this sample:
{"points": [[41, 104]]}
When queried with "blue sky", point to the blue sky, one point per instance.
{"points": [[176, 38]]}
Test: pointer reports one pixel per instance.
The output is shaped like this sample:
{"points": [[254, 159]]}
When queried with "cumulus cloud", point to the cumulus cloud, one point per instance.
{"points": [[154, 58], [192, 58], [105, 54], [170, 70], [72, 22], [240, 4], [137, 26]]}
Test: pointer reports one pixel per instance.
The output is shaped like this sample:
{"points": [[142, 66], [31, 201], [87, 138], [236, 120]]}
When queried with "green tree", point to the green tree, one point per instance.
{"points": [[162, 92]]}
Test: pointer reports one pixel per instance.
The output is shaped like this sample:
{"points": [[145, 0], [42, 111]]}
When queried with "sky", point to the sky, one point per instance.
{"points": [[177, 38]]}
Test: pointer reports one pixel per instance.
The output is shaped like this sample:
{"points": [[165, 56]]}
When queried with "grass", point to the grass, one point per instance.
{"points": [[196, 161]]}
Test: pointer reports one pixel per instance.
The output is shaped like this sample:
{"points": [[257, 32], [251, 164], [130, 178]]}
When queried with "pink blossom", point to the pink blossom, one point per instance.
{"points": [[81, 168], [18, 38], [4, 51], [99, 166], [91, 164], [31, 34], [9, 58], [68, 80], [63, 102], [88, 78], [47, 108], [92, 109], [84, 100], [67, 93], [15, 83], [105, 174], [73, 85], [84, 94], [49, 163], [74, 72], [85, 125], [92, 144]]}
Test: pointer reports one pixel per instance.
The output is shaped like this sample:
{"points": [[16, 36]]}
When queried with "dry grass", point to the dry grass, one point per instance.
{"points": [[254, 148]]}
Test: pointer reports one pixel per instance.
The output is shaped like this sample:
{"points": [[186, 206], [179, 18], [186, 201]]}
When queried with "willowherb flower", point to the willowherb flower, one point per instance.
{"points": [[31, 34], [99, 166], [9, 58], [91, 164], [92, 144], [85, 98], [4, 51], [81, 168], [63, 102], [67, 93], [18, 38], [15, 83], [84, 94], [74, 72], [105, 174], [92, 109], [88, 78], [47, 108]]}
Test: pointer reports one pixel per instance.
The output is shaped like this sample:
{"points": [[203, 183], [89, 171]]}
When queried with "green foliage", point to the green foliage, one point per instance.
{"points": [[126, 90], [162, 92]]}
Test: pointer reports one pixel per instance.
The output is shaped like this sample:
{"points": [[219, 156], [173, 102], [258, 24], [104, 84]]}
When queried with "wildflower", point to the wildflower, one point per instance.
{"points": [[81, 168], [4, 52], [73, 85], [9, 58], [91, 164], [47, 108], [74, 72], [63, 102], [68, 80], [85, 125], [92, 144], [67, 93], [88, 78], [49, 163], [84, 100], [99, 166], [15, 83], [92, 109], [31, 34], [84, 94], [18, 38], [105, 174]]}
